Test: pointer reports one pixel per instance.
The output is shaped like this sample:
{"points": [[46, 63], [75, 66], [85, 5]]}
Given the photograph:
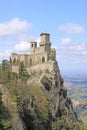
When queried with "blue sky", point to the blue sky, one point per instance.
{"points": [[23, 20]]}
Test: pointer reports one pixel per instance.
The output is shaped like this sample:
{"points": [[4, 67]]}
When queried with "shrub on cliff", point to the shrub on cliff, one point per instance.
{"points": [[46, 82], [23, 74], [66, 123], [4, 116]]}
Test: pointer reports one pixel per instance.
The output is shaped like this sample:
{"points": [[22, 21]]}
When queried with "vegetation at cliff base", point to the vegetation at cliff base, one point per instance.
{"points": [[66, 123], [5, 122]]}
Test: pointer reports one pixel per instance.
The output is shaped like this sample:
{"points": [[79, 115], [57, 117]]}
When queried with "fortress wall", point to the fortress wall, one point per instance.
{"points": [[36, 59], [23, 58], [14, 56], [46, 66], [38, 56], [37, 50]]}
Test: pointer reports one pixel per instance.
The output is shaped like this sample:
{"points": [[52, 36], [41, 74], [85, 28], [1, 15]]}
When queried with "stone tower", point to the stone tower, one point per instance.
{"points": [[45, 43], [33, 46]]}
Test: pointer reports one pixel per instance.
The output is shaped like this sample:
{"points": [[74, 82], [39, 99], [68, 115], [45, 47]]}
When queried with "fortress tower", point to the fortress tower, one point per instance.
{"points": [[33, 46], [45, 43]]}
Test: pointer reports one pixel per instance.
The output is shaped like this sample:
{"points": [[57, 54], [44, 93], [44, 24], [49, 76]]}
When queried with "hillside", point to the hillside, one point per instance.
{"points": [[36, 100]]}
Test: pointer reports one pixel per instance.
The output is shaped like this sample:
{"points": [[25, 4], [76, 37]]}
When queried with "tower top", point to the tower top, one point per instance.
{"points": [[44, 33]]}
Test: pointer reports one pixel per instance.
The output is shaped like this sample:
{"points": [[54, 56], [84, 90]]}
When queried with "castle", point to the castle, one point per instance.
{"points": [[38, 55]]}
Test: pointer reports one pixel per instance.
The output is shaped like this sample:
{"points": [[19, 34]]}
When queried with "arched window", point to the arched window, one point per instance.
{"points": [[43, 59]]}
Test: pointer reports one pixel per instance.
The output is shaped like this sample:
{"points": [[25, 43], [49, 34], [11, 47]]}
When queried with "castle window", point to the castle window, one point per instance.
{"points": [[32, 44], [43, 59]]}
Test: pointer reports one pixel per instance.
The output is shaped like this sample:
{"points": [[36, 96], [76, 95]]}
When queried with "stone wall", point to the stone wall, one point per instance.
{"points": [[46, 66], [29, 59], [36, 59]]}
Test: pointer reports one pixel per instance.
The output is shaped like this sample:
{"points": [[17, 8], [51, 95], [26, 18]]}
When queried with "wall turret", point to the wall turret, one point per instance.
{"points": [[45, 37]]}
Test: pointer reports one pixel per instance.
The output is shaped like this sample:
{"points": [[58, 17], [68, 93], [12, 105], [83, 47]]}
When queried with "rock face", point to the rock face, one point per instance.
{"points": [[51, 83]]}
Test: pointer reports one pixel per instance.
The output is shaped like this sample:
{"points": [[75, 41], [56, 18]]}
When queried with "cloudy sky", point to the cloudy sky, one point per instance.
{"points": [[23, 20]]}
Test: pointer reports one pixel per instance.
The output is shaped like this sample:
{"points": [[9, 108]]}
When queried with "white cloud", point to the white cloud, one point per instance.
{"points": [[73, 53], [14, 26], [66, 41], [5, 54], [71, 28], [24, 37], [22, 47]]}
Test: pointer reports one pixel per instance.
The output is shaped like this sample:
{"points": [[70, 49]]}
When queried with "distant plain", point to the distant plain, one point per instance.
{"points": [[76, 86]]}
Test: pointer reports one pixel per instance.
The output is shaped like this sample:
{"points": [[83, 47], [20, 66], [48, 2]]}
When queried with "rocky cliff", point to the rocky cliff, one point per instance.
{"points": [[40, 102]]}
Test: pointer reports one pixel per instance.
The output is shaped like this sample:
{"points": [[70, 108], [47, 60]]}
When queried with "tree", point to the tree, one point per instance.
{"points": [[23, 74], [5, 65], [5, 71], [66, 123], [1, 126], [5, 122]]}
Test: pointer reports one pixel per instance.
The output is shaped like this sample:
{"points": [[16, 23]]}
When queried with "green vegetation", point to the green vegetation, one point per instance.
{"points": [[46, 82], [66, 123], [83, 116], [40, 100], [5, 122], [23, 74], [32, 106], [64, 93]]}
